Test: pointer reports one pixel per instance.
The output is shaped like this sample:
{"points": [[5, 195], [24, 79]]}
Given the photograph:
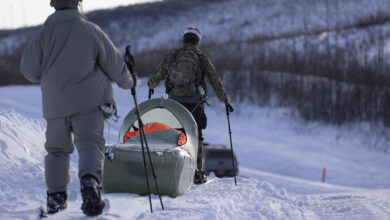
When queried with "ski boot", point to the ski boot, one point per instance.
{"points": [[200, 177], [90, 192], [56, 202]]}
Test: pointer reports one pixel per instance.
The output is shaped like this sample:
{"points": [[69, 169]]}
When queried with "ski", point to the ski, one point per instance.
{"points": [[209, 181], [43, 212]]}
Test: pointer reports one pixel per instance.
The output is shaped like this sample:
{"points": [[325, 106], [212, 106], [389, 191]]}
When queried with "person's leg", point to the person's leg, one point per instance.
{"points": [[200, 118], [200, 152], [58, 145], [202, 124], [88, 130], [201, 121]]}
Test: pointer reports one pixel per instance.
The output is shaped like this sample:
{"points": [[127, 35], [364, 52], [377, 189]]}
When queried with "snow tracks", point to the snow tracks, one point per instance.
{"points": [[370, 204]]}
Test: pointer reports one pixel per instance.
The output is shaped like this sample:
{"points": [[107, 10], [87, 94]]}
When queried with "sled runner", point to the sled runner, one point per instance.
{"points": [[172, 135]]}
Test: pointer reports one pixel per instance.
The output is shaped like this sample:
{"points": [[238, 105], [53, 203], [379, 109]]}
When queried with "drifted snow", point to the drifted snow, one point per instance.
{"points": [[281, 160]]}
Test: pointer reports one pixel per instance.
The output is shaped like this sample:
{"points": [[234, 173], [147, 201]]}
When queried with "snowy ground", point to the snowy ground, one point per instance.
{"points": [[281, 160]]}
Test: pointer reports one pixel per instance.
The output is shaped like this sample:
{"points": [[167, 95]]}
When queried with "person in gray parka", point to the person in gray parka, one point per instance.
{"points": [[74, 62]]}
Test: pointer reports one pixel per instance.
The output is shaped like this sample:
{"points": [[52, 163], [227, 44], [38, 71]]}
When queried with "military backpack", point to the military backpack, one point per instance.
{"points": [[185, 73]]}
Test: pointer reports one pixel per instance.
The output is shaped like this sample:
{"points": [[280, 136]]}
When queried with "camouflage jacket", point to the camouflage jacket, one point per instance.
{"points": [[164, 72]]}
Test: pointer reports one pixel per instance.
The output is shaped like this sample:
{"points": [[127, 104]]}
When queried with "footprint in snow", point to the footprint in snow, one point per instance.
{"points": [[3, 145]]}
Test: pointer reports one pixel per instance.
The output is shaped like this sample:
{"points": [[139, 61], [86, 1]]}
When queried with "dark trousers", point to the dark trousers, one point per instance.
{"points": [[197, 112]]}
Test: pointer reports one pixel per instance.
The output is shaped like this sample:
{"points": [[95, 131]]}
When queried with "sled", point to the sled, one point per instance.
{"points": [[174, 160]]}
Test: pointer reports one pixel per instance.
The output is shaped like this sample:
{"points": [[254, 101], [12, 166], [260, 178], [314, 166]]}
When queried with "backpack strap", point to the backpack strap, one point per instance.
{"points": [[168, 84]]}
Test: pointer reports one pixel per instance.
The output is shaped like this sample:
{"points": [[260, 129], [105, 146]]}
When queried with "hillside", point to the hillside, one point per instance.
{"points": [[149, 26], [327, 58], [158, 25]]}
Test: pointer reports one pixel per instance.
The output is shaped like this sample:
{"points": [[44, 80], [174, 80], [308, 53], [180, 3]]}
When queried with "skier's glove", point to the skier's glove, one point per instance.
{"points": [[130, 63], [229, 108], [151, 92], [129, 59]]}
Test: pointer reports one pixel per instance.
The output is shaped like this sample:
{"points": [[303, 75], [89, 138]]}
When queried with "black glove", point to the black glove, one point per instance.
{"points": [[151, 92], [130, 63], [129, 60], [229, 108]]}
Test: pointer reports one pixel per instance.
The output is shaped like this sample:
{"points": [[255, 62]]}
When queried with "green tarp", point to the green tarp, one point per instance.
{"points": [[174, 165]]}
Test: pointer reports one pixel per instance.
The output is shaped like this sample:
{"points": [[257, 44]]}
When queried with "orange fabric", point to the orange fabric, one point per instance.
{"points": [[155, 126], [182, 138]]}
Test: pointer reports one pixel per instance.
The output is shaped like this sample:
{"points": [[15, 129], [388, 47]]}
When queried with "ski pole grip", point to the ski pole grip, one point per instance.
{"points": [[129, 59], [128, 49], [130, 62]]}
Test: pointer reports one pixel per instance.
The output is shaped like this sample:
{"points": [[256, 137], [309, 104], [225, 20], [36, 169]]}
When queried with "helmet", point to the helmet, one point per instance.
{"points": [[192, 30], [59, 4]]}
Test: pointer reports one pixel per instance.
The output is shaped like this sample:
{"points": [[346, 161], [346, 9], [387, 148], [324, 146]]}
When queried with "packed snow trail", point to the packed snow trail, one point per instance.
{"points": [[295, 185], [368, 204], [251, 199], [280, 162]]}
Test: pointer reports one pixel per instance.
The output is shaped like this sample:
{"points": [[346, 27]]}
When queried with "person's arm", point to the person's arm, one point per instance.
{"points": [[111, 62], [160, 73], [214, 79], [31, 62]]}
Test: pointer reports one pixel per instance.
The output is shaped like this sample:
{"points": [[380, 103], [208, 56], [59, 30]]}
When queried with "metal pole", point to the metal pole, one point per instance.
{"points": [[151, 165], [229, 108], [140, 125], [130, 65]]}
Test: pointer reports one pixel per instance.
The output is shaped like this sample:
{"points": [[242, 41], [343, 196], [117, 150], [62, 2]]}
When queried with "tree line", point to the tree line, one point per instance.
{"points": [[333, 78]]}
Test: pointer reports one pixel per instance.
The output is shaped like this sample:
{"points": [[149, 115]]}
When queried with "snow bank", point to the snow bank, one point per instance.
{"points": [[21, 159], [22, 154]]}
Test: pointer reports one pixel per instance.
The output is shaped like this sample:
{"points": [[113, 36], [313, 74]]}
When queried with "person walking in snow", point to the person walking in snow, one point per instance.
{"points": [[74, 62], [184, 71]]}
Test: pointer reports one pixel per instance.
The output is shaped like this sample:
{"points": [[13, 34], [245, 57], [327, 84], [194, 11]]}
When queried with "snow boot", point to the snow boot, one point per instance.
{"points": [[200, 177], [56, 202], [90, 192]]}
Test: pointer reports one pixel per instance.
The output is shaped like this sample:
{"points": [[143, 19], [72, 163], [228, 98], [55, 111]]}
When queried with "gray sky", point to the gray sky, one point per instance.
{"points": [[20, 13]]}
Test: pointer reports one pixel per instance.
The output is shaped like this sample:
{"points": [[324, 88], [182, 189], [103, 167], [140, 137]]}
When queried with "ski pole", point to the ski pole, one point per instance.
{"points": [[130, 65], [229, 109], [129, 59], [151, 165], [140, 125]]}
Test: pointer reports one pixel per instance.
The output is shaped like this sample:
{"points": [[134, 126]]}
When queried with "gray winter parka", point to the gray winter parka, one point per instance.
{"points": [[75, 63]]}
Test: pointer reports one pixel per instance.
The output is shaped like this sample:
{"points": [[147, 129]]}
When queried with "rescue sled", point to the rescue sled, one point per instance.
{"points": [[172, 136]]}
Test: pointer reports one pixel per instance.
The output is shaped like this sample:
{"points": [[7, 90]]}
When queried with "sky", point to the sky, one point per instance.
{"points": [[22, 13]]}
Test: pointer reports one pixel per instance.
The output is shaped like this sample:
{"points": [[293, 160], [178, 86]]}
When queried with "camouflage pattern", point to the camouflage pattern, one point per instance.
{"points": [[175, 69]]}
